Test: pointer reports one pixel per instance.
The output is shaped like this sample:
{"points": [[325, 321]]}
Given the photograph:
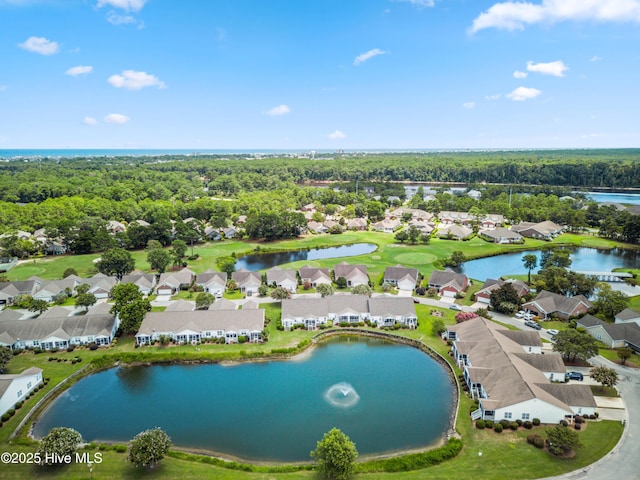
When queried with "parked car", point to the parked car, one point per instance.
{"points": [[532, 324], [574, 376], [519, 315], [552, 331], [455, 306]]}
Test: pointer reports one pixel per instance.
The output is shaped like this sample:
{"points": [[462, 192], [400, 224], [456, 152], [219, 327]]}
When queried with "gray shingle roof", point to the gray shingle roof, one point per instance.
{"points": [[202, 320]]}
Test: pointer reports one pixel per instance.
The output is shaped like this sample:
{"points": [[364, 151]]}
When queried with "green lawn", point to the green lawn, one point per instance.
{"points": [[504, 456]]}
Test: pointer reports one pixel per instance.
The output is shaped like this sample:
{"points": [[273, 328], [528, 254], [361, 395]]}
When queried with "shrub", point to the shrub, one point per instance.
{"points": [[488, 423], [505, 423], [11, 411], [18, 405], [5, 417], [513, 426], [564, 423], [577, 426], [536, 421], [519, 422], [497, 428], [480, 424], [531, 437], [578, 419], [120, 448], [59, 441], [71, 348], [527, 424], [538, 442], [93, 346], [148, 447]]}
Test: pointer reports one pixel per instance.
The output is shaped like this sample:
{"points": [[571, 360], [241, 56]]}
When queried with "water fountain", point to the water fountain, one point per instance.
{"points": [[342, 395]]}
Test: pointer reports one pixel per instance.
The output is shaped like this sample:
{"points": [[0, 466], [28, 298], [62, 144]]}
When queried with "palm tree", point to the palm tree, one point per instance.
{"points": [[530, 261]]}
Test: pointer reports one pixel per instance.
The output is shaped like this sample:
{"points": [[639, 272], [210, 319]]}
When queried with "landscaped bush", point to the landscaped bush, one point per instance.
{"points": [[71, 348], [513, 426], [535, 440], [505, 423], [93, 346], [242, 339], [578, 419], [5, 417], [536, 421], [480, 424], [11, 412], [497, 428], [18, 405], [527, 424], [120, 448], [577, 426], [489, 423], [564, 423], [519, 422]]}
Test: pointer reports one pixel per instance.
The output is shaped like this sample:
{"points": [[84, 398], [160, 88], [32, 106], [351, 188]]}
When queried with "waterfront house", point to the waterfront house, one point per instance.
{"points": [[199, 325], [503, 372], [357, 224], [484, 294], [501, 235], [454, 232], [15, 388], [548, 304], [544, 230]]}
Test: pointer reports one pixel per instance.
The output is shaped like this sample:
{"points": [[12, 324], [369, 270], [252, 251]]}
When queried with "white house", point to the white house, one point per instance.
{"points": [[315, 276], [212, 282], [502, 373], [354, 274], [15, 388], [282, 278], [171, 282], [146, 282], [402, 277], [247, 281], [199, 325]]}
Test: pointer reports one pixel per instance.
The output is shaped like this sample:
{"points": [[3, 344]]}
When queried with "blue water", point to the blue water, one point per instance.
{"points": [[401, 399], [628, 198], [583, 259], [268, 260]]}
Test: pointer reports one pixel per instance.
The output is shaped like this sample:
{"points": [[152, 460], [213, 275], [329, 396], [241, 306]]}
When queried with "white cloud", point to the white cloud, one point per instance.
{"points": [[40, 45], [116, 118], [493, 97], [277, 111], [90, 121], [521, 94], [127, 5], [556, 68], [518, 74], [469, 104], [516, 15], [420, 3], [133, 80], [363, 57], [116, 19], [337, 135], [595, 58], [79, 70]]}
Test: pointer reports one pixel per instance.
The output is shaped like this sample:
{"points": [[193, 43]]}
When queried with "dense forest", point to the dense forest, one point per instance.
{"points": [[73, 198]]}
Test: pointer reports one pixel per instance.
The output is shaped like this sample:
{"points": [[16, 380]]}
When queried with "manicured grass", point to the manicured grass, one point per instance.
{"points": [[601, 391], [609, 354]]}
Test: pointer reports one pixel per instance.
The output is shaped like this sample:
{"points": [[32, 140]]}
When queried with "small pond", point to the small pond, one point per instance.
{"points": [[583, 259], [387, 397], [269, 260]]}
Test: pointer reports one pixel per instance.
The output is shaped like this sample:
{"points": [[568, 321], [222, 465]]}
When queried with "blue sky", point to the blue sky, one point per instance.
{"points": [[319, 74]]}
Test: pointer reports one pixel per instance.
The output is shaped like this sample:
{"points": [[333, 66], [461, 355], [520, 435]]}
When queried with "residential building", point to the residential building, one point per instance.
{"points": [[544, 230], [387, 225], [212, 282], [357, 224], [10, 290], [548, 304], [58, 328], [354, 274], [145, 282], [448, 283], [454, 232], [402, 277], [484, 294], [199, 325], [503, 371], [627, 315], [383, 311], [613, 335], [314, 276], [248, 282], [501, 235], [172, 282], [283, 278], [15, 388]]}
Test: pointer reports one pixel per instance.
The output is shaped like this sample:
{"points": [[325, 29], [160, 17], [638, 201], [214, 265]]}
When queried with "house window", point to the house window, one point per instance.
{"points": [[507, 415], [36, 343], [19, 393], [525, 416], [29, 385]]}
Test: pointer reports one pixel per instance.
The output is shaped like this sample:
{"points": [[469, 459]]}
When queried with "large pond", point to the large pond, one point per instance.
{"points": [[268, 260], [583, 259], [387, 397], [628, 198]]}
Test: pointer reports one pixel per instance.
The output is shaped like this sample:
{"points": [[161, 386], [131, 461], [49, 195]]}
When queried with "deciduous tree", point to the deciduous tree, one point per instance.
{"points": [[85, 300], [130, 306], [116, 262], [624, 353], [605, 376], [609, 302], [204, 300], [60, 441], [335, 455], [159, 259], [561, 439], [575, 345], [149, 447], [324, 289]]}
